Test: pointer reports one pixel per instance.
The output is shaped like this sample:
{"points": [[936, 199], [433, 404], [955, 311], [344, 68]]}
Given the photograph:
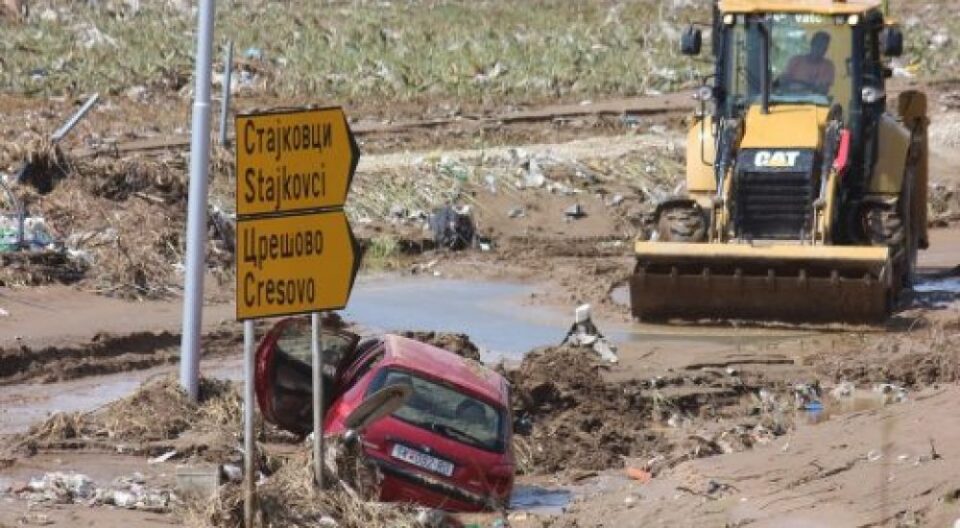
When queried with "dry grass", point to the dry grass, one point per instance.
{"points": [[352, 51], [159, 410], [288, 498]]}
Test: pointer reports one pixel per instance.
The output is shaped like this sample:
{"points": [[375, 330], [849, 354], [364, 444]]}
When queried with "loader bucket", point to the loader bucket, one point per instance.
{"points": [[791, 283]]}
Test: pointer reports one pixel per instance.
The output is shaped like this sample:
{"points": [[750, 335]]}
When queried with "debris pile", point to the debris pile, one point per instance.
{"points": [[944, 204], [115, 225], [153, 420], [459, 344], [288, 497], [909, 361], [579, 421]]}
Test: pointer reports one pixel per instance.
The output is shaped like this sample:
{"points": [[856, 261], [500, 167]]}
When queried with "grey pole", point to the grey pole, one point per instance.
{"points": [[225, 99], [316, 347], [197, 206], [249, 447], [77, 116]]}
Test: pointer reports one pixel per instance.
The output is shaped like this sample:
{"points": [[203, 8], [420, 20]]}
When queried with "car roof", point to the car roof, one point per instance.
{"points": [[439, 363], [823, 7]]}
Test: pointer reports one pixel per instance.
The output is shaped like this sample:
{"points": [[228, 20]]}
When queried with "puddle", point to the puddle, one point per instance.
{"points": [[946, 285], [540, 501], [493, 314]]}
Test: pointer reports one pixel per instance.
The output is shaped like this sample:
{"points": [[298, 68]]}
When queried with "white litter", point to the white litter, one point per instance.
{"points": [[163, 458]]}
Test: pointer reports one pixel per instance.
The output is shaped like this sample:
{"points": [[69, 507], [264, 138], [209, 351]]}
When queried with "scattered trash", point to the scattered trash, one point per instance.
{"points": [[874, 455], [233, 472], [615, 200], [585, 334], [198, 481], [4, 313], [843, 390], [452, 227], [253, 53], [76, 488], [517, 212], [163, 458], [534, 177], [805, 394], [891, 392], [575, 211]]}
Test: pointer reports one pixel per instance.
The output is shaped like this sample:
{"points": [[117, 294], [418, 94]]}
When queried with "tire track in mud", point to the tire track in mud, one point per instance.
{"points": [[104, 354]]}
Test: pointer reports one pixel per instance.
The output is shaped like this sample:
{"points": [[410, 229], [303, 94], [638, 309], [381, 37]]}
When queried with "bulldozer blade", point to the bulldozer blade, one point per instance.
{"points": [[790, 283]]}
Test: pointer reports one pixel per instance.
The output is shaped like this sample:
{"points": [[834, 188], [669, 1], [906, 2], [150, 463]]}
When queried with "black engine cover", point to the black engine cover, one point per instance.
{"points": [[773, 191]]}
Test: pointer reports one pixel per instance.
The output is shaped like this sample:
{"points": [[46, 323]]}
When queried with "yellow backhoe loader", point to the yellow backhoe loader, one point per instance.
{"points": [[805, 195]]}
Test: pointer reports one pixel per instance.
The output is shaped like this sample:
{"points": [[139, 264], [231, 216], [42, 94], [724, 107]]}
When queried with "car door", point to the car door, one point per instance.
{"points": [[283, 377]]}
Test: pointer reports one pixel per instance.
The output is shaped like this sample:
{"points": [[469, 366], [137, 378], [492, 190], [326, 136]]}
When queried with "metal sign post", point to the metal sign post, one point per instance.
{"points": [[197, 206], [296, 253], [225, 98], [317, 347], [248, 444]]}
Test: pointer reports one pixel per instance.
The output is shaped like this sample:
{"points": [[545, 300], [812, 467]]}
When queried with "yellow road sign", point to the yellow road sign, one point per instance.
{"points": [[294, 161], [294, 264]]}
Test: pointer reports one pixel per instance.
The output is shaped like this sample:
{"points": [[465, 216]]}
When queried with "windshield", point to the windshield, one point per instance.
{"points": [[446, 411], [808, 60]]}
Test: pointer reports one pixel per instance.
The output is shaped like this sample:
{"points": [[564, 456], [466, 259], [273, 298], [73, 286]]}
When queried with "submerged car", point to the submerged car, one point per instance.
{"points": [[448, 446]]}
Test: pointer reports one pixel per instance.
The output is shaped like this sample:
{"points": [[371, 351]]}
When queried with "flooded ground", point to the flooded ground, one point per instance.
{"points": [[497, 316]]}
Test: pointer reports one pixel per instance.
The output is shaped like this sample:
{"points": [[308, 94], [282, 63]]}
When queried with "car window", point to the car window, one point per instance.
{"points": [[357, 372], [445, 410], [295, 342]]}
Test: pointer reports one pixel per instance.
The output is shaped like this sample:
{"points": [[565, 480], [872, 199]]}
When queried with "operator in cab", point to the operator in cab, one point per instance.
{"points": [[812, 71]]}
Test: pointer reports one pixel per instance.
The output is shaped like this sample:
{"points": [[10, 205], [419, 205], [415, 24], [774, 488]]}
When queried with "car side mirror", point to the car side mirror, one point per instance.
{"points": [[891, 41], [379, 404], [691, 41]]}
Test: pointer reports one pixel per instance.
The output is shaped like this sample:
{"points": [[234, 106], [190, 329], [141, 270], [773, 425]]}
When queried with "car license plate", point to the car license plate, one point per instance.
{"points": [[423, 460]]}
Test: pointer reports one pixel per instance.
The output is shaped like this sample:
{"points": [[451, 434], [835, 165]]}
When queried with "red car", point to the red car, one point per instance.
{"points": [[448, 446]]}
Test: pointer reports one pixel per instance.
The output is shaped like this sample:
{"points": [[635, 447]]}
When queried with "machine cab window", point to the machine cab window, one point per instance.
{"points": [[806, 57]]}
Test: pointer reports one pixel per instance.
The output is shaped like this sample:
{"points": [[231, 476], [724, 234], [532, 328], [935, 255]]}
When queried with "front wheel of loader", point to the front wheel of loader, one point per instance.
{"points": [[682, 224]]}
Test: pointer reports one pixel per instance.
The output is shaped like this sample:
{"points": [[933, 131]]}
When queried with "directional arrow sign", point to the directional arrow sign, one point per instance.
{"points": [[294, 264], [294, 161]]}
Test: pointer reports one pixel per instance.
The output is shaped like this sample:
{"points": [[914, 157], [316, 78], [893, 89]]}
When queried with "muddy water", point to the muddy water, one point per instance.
{"points": [[539, 500], [498, 317]]}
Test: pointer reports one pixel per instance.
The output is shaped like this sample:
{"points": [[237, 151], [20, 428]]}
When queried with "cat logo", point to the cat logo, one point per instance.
{"points": [[780, 159]]}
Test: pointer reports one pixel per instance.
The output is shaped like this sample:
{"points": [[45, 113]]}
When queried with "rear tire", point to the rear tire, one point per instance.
{"points": [[682, 224], [884, 227]]}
